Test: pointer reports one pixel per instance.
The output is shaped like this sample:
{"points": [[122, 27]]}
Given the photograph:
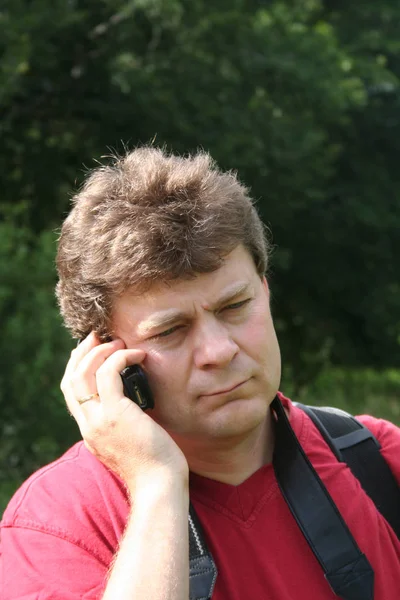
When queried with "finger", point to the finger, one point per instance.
{"points": [[79, 380], [84, 346], [83, 380], [110, 388], [76, 356], [108, 376]]}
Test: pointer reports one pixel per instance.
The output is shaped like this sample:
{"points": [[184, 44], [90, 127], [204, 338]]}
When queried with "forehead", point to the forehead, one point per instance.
{"points": [[237, 270]]}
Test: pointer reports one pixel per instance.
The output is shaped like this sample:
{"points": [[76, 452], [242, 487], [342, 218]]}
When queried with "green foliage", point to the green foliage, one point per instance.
{"points": [[33, 351], [358, 391], [302, 98]]}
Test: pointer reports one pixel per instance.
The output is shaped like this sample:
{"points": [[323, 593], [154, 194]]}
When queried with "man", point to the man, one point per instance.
{"points": [[161, 263]]}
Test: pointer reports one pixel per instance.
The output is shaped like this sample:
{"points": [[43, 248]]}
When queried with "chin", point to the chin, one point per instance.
{"points": [[235, 418]]}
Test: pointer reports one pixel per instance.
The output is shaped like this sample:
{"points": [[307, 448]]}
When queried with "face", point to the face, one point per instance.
{"points": [[212, 356]]}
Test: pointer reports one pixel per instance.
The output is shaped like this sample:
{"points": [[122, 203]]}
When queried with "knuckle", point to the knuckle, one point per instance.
{"points": [[80, 372], [75, 379], [65, 385], [105, 349], [117, 355], [106, 368]]}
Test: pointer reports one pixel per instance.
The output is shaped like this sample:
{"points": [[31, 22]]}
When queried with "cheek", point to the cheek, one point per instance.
{"points": [[165, 373], [259, 326], [156, 367], [169, 386], [261, 341]]}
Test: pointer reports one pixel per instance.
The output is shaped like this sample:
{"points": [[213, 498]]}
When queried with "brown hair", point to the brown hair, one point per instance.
{"points": [[149, 216]]}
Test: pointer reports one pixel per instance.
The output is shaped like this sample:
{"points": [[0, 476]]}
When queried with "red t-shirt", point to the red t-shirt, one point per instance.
{"points": [[61, 529]]}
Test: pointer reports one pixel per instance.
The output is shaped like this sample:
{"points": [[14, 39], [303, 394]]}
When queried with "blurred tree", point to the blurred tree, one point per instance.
{"points": [[33, 349], [302, 98], [344, 273]]}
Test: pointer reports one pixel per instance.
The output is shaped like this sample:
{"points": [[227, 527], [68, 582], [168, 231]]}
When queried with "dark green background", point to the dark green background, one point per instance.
{"points": [[302, 98]]}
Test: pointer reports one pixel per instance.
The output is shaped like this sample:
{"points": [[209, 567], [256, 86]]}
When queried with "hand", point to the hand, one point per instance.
{"points": [[114, 428]]}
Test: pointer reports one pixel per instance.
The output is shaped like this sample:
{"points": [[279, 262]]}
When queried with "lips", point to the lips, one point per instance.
{"points": [[225, 390]]}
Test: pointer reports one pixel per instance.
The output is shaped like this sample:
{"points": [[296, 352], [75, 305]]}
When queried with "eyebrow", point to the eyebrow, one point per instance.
{"points": [[169, 317]]}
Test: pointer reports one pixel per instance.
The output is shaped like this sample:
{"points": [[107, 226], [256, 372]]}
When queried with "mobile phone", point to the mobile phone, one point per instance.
{"points": [[136, 386]]}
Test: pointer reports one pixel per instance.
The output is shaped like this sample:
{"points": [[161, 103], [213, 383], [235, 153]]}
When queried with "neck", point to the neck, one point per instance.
{"points": [[230, 460]]}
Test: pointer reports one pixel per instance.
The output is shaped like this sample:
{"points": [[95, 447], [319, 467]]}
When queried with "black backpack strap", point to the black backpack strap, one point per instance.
{"points": [[354, 444], [202, 569], [346, 569]]}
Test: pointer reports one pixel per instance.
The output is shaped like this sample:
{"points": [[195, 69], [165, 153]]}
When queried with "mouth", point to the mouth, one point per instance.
{"points": [[225, 390]]}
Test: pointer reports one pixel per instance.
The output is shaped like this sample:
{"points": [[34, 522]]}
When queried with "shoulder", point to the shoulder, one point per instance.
{"points": [[385, 432], [388, 436], [66, 497]]}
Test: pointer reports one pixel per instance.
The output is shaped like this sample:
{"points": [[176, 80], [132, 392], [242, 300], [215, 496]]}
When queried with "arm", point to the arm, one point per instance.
{"points": [[152, 561]]}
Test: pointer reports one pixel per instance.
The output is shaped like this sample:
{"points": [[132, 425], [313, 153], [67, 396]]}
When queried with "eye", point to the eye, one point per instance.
{"points": [[166, 333], [237, 305]]}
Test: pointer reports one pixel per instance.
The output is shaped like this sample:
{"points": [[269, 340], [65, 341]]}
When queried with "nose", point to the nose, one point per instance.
{"points": [[214, 346]]}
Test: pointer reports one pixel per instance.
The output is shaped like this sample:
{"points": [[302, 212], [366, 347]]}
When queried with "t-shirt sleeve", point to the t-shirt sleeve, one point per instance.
{"points": [[61, 529], [36, 565], [388, 436]]}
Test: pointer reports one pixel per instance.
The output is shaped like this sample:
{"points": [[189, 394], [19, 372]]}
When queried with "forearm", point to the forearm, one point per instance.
{"points": [[153, 559]]}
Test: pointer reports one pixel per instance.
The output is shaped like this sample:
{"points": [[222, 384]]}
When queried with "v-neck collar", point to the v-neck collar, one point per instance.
{"points": [[243, 502]]}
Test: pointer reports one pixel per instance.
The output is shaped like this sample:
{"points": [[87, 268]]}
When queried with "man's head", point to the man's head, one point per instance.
{"points": [[149, 217], [211, 353]]}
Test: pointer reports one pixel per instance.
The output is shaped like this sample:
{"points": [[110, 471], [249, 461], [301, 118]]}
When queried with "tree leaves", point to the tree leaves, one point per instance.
{"points": [[301, 98]]}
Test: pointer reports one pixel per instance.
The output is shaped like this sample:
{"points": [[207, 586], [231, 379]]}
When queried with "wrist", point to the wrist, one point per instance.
{"points": [[157, 482]]}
